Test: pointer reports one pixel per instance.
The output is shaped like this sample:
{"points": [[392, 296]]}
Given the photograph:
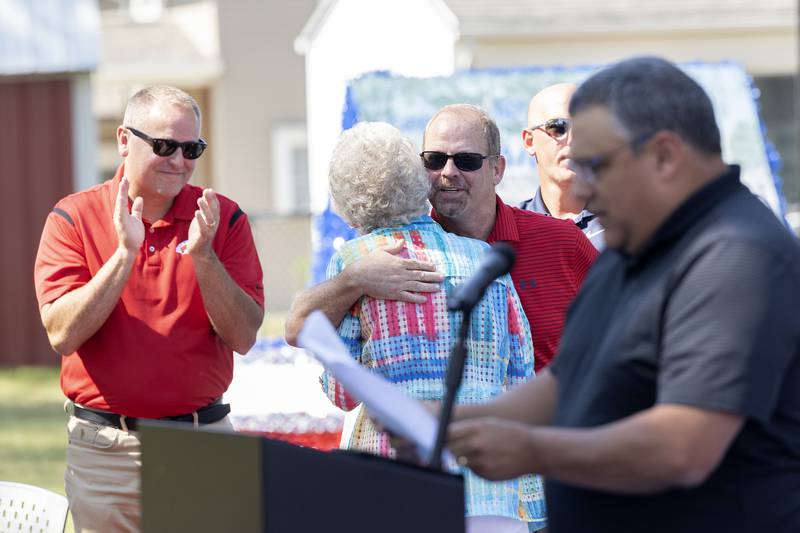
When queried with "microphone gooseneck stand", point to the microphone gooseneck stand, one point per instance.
{"points": [[497, 262], [455, 370]]}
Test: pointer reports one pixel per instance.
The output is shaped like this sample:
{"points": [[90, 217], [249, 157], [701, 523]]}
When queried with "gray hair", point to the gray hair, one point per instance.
{"points": [[490, 130], [649, 94], [140, 103], [376, 177]]}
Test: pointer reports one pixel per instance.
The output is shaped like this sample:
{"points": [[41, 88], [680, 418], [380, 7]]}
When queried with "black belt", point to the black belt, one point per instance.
{"points": [[209, 414]]}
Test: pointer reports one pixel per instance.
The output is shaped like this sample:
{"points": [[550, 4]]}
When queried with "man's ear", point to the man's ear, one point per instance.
{"points": [[527, 142], [123, 140], [499, 170], [669, 152]]}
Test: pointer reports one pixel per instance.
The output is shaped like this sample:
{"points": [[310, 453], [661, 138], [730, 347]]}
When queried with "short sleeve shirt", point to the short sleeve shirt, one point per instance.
{"points": [[157, 354], [706, 316], [553, 257]]}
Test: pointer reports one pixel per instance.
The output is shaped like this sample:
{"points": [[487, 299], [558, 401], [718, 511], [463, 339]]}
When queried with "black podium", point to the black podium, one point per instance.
{"points": [[204, 480]]}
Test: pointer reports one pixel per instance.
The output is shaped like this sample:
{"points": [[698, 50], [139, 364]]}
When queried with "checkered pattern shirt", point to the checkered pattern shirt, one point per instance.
{"points": [[409, 344]]}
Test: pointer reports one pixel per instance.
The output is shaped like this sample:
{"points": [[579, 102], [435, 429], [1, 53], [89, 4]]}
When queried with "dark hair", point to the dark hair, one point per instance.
{"points": [[648, 94]]}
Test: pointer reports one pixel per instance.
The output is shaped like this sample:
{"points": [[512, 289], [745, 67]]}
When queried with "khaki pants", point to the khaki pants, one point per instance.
{"points": [[102, 476]]}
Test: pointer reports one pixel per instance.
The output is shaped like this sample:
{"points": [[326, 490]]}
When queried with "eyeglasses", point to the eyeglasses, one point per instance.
{"points": [[167, 147], [557, 128], [587, 169], [466, 161]]}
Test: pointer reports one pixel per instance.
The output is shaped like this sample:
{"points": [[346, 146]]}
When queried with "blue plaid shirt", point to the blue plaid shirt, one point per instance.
{"points": [[409, 344]]}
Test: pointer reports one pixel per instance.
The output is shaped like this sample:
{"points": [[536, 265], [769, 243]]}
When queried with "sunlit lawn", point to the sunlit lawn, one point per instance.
{"points": [[32, 428]]}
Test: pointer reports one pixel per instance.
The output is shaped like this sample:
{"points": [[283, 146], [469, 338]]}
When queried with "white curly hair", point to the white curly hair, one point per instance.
{"points": [[376, 177]]}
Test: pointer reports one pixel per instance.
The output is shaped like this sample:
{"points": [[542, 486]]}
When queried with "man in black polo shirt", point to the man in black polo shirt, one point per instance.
{"points": [[674, 402]]}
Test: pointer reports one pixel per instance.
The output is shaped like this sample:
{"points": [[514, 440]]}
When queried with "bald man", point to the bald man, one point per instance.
{"points": [[547, 139]]}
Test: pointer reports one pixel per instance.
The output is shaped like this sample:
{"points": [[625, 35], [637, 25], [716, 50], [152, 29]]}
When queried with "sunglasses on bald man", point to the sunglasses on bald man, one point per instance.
{"points": [[557, 128], [466, 161], [167, 147]]}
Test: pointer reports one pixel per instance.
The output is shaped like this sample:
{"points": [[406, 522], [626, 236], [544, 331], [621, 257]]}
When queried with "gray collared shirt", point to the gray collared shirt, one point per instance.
{"points": [[586, 221]]}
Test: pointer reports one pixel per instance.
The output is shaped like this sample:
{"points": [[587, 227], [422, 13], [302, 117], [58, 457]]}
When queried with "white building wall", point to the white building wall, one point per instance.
{"points": [[760, 52], [411, 38], [84, 134]]}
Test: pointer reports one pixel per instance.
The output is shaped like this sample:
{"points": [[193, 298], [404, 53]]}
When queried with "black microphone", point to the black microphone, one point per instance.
{"points": [[497, 262]]}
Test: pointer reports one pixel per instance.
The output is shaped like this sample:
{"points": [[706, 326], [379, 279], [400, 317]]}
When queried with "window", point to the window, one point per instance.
{"points": [[290, 189]]}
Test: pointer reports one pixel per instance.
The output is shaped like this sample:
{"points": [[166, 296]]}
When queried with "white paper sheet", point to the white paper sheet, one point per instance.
{"points": [[400, 414]]}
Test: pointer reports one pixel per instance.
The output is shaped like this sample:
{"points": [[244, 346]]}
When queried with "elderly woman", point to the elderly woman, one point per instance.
{"points": [[380, 187]]}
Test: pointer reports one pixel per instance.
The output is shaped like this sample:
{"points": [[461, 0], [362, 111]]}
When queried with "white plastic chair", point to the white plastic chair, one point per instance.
{"points": [[30, 509]]}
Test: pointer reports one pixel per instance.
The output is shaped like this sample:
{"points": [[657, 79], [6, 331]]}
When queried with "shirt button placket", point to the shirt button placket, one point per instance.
{"points": [[153, 259]]}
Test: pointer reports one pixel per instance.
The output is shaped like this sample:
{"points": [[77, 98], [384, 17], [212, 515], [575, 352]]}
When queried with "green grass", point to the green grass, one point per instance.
{"points": [[33, 434]]}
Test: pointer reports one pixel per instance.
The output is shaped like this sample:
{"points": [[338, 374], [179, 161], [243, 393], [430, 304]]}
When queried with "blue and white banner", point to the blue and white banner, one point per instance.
{"points": [[408, 103]]}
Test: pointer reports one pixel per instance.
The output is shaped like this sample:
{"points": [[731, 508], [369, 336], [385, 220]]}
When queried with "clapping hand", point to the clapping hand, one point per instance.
{"points": [[128, 225], [205, 224]]}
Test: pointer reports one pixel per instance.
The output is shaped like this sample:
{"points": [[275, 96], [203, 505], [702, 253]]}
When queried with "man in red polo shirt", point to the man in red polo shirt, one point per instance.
{"points": [[553, 255], [146, 286]]}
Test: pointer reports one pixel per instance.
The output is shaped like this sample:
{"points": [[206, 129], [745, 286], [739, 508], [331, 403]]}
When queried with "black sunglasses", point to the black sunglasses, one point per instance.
{"points": [[466, 161], [557, 128], [167, 147]]}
